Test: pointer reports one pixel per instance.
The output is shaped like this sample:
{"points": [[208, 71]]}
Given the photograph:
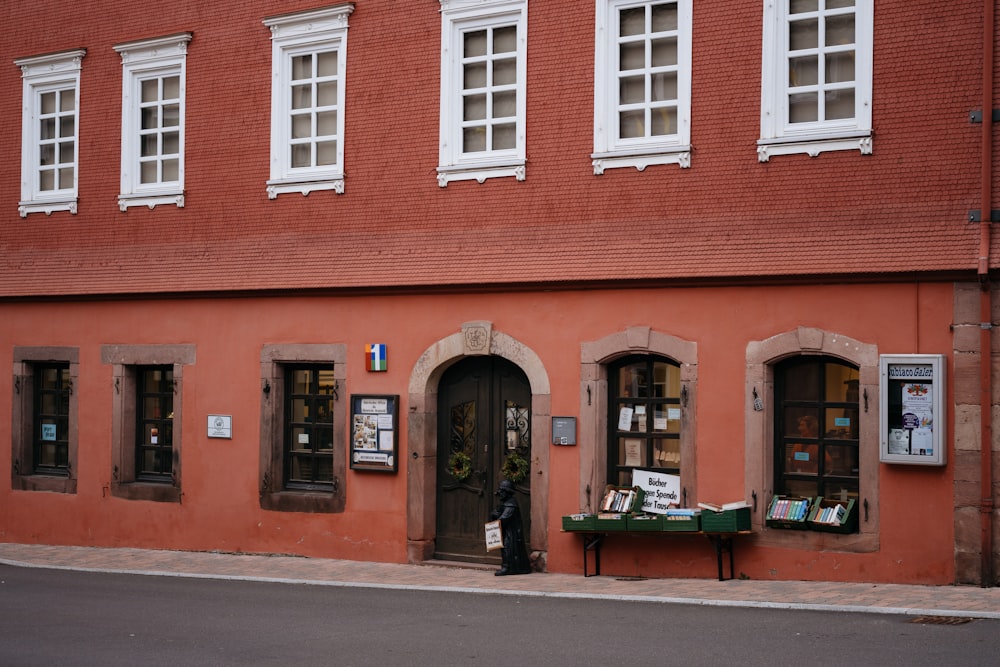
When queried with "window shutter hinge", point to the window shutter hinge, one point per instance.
{"points": [[976, 215], [976, 116]]}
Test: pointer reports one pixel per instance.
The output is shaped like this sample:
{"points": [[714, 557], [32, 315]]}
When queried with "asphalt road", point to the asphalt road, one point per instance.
{"points": [[52, 617]]}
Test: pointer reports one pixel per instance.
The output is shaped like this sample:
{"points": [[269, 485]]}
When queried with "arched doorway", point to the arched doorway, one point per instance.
{"points": [[483, 432]]}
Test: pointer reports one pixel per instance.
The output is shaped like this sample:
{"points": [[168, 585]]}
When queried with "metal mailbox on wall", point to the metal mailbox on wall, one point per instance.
{"points": [[911, 409]]}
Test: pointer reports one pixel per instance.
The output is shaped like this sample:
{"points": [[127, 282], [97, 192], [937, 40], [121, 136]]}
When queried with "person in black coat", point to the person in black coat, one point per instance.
{"points": [[514, 554]]}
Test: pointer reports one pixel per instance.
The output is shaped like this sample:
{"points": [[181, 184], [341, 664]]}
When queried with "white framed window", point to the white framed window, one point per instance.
{"points": [[483, 72], [816, 85], [642, 84], [308, 67], [50, 124], [152, 170]]}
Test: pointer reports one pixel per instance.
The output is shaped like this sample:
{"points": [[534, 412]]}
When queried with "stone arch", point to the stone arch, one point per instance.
{"points": [[474, 338], [594, 359], [761, 358]]}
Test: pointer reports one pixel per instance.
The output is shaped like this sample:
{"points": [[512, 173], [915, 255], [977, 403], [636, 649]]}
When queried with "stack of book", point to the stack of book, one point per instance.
{"points": [[618, 500], [834, 515], [788, 512]]}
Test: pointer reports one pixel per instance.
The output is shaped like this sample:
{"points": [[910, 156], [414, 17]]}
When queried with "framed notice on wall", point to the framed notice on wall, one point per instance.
{"points": [[911, 409], [374, 432]]}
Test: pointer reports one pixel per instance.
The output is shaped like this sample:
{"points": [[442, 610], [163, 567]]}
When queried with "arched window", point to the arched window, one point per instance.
{"points": [[644, 420], [816, 429]]}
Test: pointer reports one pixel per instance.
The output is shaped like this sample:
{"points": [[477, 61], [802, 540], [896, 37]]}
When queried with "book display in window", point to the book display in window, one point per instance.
{"points": [[834, 516], [788, 512]]}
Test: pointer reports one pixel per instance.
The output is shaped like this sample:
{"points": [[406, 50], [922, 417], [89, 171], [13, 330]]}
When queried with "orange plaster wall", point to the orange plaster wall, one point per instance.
{"points": [[219, 508]]}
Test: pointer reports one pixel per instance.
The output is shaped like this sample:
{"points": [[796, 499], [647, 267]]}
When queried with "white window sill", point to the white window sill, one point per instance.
{"points": [[680, 155], [277, 187], [813, 145], [46, 207], [479, 172], [126, 202]]}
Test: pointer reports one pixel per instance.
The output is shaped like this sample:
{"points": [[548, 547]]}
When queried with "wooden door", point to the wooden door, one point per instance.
{"points": [[484, 417]]}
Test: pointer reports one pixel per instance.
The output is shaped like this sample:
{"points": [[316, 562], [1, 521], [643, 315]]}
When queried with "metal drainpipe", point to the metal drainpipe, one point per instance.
{"points": [[985, 302]]}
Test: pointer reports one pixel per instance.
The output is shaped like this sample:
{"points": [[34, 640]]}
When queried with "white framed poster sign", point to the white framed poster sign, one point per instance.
{"points": [[374, 432], [912, 409]]}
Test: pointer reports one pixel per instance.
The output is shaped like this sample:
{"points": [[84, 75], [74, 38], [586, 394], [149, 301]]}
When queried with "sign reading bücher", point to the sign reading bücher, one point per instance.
{"points": [[662, 490]]}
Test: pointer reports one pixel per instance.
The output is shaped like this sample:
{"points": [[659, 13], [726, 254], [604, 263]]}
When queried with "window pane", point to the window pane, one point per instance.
{"points": [[171, 115], [474, 44], [838, 4], [840, 30], [803, 71], [664, 86], [632, 124], [474, 75], [66, 177], [504, 72], [632, 21], [148, 145], [150, 118], [301, 155], [47, 103], [632, 381], [326, 94], [171, 143], [301, 126], [474, 139], [802, 459], [150, 90], [802, 108], [504, 137], [667, 453], [67, 100], [171, 88], [46, 155], [171, 170], [664, 52], [301, 97], [301, 67], [47, 128], [632, 56], [505, 39], [803, 34], [840, 67], [65, 152], [147, 172], [326, 123], [326, 63], [474, 107], [665, 17], [801, 6], [47, 180], [67, 126], [840, 104], [841, 460], [632, 90], [663, 122], [504, 104], [326, 153]]}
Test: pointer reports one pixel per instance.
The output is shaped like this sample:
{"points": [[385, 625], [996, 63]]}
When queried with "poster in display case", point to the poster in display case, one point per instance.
{"points": [[911, 410], [374, 432]]}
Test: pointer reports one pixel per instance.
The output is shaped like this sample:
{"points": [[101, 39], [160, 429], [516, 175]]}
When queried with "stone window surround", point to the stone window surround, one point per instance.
{"points": [[595, 356], [273, 362], [761, 357], [22, 424], [124, 359]]}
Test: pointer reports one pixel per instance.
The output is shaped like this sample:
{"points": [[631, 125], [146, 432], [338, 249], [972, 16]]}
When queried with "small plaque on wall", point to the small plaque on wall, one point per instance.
{"points": [[564, 430], [220, 426]]}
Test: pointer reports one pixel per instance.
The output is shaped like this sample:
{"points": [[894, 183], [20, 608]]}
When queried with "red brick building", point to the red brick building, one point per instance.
{"points": [[304, 278]]}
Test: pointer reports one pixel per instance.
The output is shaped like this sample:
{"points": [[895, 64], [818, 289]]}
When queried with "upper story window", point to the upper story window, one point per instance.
{"points": [[152, 169], [308, 66], [483, 71], [50, 121], [816, 90], [642, 84]]}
